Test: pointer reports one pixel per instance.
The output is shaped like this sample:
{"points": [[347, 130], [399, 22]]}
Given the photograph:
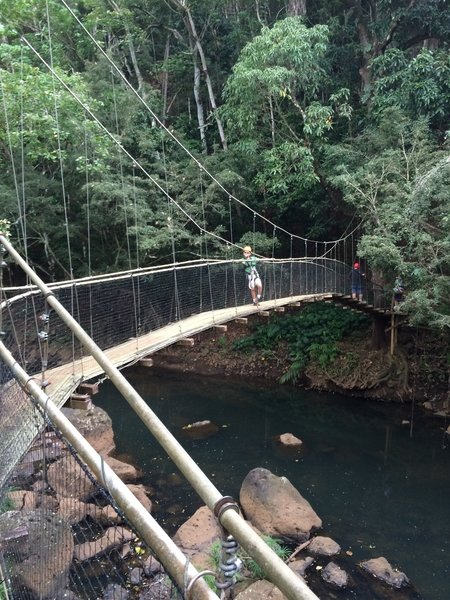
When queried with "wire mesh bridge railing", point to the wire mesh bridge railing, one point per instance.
{"points": [[112, 311]]}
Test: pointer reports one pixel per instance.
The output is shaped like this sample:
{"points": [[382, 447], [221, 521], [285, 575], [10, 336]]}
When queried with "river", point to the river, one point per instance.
{"points": [[377, 474]]}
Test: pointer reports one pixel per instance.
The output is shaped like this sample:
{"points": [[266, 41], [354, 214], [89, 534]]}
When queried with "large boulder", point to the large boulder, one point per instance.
{"points": [[95, 425], [44, 573], [113, 537], [323, 546], [276, 508], [141, 494], [68, 479], [381, 569], [261, 590], [196, 536], [335, 575], [127, 473]]}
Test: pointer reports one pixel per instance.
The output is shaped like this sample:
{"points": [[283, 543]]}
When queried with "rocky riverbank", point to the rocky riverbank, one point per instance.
{"points": [[69, 535], [417, 372]]}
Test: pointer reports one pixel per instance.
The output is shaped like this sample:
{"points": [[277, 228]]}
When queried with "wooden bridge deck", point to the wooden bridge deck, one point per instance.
{"points": [[65, 379]]}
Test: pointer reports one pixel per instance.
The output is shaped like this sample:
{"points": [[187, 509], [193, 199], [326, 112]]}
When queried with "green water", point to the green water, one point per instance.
{"points": [[380, 486]]}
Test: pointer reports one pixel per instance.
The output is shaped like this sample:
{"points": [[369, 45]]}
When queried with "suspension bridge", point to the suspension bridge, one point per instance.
{"points": [[55, 336], [75, 331]]}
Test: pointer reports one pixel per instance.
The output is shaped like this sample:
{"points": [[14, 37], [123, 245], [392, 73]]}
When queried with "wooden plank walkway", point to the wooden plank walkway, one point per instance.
{"points": [[66, 378]]}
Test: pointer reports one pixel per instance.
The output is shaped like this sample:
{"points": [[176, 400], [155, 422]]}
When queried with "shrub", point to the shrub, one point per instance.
{"points": [[311, 334]]}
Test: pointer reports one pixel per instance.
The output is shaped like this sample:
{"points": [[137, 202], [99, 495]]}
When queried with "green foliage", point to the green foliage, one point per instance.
{"points": [[256, 572], [419, 86], [274, 544], [6, 504], [290, 86], [399, 182], [222, 341], [311, 334], [261, 244]]}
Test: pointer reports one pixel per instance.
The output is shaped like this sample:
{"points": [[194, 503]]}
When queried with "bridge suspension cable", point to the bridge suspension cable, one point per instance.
{"points": [[328, 247]]}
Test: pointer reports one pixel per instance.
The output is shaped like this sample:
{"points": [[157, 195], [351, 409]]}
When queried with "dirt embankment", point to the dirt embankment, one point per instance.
{"points": [[414, 372]]}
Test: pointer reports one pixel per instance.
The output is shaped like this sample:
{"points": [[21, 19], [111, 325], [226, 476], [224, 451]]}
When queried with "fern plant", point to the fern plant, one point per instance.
{"points": [[311, 334], [274, 544], [256, 572]]}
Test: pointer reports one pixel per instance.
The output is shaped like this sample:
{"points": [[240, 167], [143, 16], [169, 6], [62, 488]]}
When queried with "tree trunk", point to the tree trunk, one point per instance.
{"points": [[199, 105], [165, 79], [296, 8], [379, 341], [371, 45], [197, 44]]}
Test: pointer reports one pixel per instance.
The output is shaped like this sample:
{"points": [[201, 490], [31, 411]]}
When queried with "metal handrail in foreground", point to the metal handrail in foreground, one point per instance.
{"points": [[174, 561]]}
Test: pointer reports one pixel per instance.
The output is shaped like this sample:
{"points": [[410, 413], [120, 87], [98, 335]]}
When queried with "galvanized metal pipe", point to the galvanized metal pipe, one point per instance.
{"points": [[290, 584], [174, 561]]}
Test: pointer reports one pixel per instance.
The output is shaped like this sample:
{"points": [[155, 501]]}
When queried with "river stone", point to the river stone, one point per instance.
{"points": [[289, 440], [115, 592], [381, 569], [126, 472], [196, 535], [113, 537], [95, 425], [261, 590], [276, 508], [44, 556], [199, 430], [323, 546], [68, 479], [24, 500], [335, 575], [141, 494], [301, 565]]}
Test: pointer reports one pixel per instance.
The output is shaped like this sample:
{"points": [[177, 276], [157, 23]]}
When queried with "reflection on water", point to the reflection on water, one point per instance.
{"points": [[379, 490]]}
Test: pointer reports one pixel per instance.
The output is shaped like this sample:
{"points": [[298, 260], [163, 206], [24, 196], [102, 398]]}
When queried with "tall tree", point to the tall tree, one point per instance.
{"points": [[280, 107], [395, 178]]}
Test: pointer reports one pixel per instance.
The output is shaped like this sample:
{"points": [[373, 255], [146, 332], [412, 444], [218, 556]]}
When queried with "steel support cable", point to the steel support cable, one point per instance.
{"points": [[170, 226], [22, 152], [3, 265], [291, 276], [124, 204], [6, 304], [306, 268], [138, 264], [167, 130], [275, 291], [41, 337], [278, 572], [21, 214], [208, 267], [142, 169], [61, 166], [88, 221], [228, 247], [122, 179]]}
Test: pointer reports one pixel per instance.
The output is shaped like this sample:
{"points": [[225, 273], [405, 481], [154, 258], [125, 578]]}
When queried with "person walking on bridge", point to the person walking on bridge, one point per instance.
{"points": [[254, 280], [357, 282]]}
